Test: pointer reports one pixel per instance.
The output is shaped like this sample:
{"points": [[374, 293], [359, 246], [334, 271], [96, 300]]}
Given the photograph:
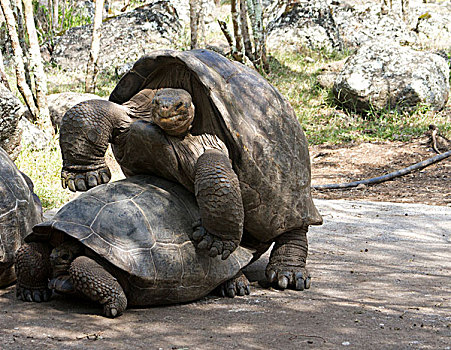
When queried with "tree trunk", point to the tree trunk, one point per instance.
{"points": [[55, 14], [194, 22], [245, 31], [255, 11], [16, 7], [37, 70], [3, 77], [239, 49], [93, 68], [24, 89]]}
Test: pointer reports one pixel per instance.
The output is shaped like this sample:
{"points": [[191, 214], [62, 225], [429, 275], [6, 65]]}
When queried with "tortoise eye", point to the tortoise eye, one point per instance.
{"points": [[179, 105], [65, 256]]}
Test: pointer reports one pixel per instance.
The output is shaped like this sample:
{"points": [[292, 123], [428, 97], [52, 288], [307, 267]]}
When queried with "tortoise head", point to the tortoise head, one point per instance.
{"points": [[173, 111], [62, 256]]}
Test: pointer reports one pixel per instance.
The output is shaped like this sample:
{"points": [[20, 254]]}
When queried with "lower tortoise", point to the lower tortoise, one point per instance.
{"points": [[122, 244], [20, 210]]}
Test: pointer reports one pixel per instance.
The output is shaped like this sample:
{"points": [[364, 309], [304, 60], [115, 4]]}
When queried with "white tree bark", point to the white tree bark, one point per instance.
{"points": [[37, 70], [93, 69], [3, 77], [194, 22], [22, 85]]}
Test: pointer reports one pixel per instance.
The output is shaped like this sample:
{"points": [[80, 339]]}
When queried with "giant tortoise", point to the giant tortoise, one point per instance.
{"points": [[224, 133], [20, 210], [123, 243]]}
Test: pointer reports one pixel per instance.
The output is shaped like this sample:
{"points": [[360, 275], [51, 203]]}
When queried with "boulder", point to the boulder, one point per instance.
{"points": [[386, 76], [432, 23], [367, 21], [60, 103], [124, 38], [305, 23], [11, 110], [32, 137]]}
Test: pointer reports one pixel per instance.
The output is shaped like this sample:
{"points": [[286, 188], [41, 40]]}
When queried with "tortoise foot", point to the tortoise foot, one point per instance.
{"points": [[112, 310], [84, 180], [284, 277], [33, 295], [286, 268], [32, 267], [92, 280], [239, 285], [215, 246]]}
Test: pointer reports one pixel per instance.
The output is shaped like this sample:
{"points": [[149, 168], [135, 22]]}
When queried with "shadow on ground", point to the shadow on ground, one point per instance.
{"points": [[381, 274]]}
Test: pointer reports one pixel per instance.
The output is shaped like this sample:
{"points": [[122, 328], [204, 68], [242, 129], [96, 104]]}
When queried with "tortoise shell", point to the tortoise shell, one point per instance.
{"points": [[266, 143], [20, 210], [142, 225]]}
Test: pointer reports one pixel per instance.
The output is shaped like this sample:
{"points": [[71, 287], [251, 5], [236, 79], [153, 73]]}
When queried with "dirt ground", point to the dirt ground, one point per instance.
{"points": [[381, 277], [352, 162]]}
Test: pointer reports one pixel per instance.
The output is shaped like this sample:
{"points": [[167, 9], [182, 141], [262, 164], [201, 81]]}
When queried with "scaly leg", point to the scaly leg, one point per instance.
{"points": [[218, 194], [86, 129], [33, 272], [97, 284], [286, 267]]}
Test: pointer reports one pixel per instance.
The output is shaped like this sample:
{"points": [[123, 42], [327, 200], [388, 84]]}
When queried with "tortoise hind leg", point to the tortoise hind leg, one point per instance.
{"points": [[92, 280], [286, 267], [218, 195], [238, 285], [33, 271]]}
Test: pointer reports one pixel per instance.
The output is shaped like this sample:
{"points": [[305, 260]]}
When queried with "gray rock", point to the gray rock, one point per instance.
{"points": [[432, 23], [60, 103], [306, 23], [11, 110], [32, 136], [360, 23], [329, 73], [124, 38], [387, 77]]}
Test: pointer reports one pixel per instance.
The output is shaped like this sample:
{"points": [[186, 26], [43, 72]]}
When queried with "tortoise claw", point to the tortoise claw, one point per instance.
{"points": [[238, 285], [207, 241], [33, 295], [286, 278], [82, 181]]}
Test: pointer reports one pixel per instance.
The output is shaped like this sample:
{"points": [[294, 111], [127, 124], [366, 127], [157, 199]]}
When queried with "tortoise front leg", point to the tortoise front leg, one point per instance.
{"points": [[218, 195], [97, 284], [85, 131], [286, 267], [33, 272]]}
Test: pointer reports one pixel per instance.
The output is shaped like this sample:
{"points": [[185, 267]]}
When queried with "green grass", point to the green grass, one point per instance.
{"points": [[294, 74], [44, 169]]}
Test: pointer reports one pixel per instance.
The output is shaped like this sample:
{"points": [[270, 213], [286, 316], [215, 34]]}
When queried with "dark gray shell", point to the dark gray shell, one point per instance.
{"points": [[266, 143], [142, 225], [20, 210]]}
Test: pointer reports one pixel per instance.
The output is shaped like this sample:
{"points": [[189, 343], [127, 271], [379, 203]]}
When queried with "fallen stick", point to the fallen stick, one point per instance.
{"points": [[386, 177]]}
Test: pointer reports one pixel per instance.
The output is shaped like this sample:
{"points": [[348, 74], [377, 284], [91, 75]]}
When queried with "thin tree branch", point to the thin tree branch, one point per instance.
{"points": [[390, 176]]}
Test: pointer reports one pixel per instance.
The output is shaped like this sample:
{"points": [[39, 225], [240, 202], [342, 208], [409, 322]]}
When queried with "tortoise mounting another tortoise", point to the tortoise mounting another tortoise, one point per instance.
{"points": [[224, 133]]}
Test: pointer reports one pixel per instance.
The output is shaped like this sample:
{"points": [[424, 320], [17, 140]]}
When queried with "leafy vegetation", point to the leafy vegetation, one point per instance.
{"points": [[44, 168], [68, 17]]}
